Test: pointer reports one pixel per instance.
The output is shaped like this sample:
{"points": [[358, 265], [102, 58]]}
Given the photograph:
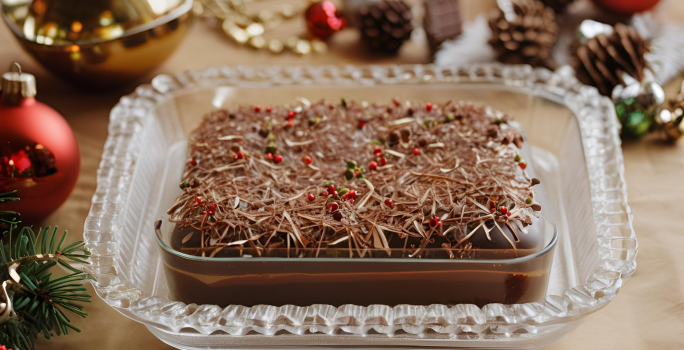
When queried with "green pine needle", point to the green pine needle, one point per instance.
{"points": [[39, 300]]}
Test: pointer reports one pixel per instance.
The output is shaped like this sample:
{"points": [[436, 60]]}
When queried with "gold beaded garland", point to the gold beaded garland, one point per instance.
{"points": [[247, 27]]}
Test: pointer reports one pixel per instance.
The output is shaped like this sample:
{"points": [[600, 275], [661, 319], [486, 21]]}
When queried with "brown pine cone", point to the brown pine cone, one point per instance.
{"points": [[526, 35], [558, 6], [385, 25], [601, 60]]}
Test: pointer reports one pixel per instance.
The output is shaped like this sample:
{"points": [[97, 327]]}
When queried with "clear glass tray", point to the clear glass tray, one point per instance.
{"points": [[575, 142]]}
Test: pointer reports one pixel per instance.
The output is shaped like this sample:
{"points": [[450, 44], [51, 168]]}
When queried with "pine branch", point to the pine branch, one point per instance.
{"points": [[37, 301]]}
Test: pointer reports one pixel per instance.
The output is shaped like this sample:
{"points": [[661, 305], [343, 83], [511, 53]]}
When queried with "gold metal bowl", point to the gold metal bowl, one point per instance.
{"points": [[98, 43]]}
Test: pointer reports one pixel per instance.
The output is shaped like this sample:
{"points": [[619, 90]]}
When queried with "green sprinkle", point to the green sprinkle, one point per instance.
{"points": [[342, 191], [528, 201], [351, 164], [449, 117], [376, 142], [327, 183], [344, 102], [349, 174], [273, 149], [271, 137], [517, 158], [183, 184]]}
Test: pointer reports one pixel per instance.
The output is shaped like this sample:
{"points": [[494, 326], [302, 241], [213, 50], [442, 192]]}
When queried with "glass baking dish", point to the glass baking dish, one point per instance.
{"points": [[480, 277], [576, 152]]}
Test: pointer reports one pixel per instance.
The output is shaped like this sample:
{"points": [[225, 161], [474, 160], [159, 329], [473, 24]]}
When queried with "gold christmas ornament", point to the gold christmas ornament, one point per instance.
{"points": [[98, 43], [670, 120]]}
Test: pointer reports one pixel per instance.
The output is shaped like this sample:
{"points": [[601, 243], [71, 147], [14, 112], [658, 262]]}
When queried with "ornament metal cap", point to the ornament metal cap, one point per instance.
{"points": [[17, 85]]}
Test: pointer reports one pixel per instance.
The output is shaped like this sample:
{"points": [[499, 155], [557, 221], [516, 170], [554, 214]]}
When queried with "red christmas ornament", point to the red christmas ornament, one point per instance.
{"points": [[323, 19], [39, 155], [627, 7]]}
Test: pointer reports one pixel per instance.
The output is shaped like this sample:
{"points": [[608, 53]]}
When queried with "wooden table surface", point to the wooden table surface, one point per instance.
{"points": [[647, 314]]}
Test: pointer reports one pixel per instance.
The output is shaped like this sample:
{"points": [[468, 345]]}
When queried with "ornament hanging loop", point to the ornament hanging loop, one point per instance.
{"points": [[17, 66]]}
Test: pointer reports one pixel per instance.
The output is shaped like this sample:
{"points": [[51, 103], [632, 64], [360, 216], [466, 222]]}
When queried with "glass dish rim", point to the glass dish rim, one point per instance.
{"points": [[182, 9], [598, 128]]}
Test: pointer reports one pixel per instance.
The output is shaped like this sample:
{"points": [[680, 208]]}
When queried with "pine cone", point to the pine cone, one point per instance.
{"points": [[527, 37], [602, 59], [558, 6], [385, 25]]}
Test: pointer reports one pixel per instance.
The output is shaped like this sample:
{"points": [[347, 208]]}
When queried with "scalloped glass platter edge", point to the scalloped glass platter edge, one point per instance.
{"points": [[575, 146]]}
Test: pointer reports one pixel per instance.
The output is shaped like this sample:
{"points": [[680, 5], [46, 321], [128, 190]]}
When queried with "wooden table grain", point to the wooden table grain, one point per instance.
{"points": [[648, 313]]}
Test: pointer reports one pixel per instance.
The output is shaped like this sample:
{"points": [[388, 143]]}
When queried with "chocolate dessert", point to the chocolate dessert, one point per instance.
{"points": [[441, 181]]}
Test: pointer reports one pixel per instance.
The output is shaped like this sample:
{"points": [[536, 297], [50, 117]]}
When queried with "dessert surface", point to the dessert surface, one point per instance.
{"points": [[405, 179]]}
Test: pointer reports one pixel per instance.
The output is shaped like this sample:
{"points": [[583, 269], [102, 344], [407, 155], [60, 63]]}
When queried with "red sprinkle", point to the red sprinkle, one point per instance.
{"points": [[333, 207], [337, 216], [509, 213], [389, 202], [205, 212], [383, 161], [324, 194], [239, 155], [331, 189], [331, 106], [351, 194], [278, 158], [522, 165], [492, 210], [269, 155], [373, 166], [269, 109], [311, 197], [377, 151], [289, 123], [416, 151], [504, 210], [212, 207], [428, 107], [335, 194], [198, 201], [291, 114], [434, 222], [308, 160], [257, 109], [362, 124], [192, 161], [357, 173]]}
